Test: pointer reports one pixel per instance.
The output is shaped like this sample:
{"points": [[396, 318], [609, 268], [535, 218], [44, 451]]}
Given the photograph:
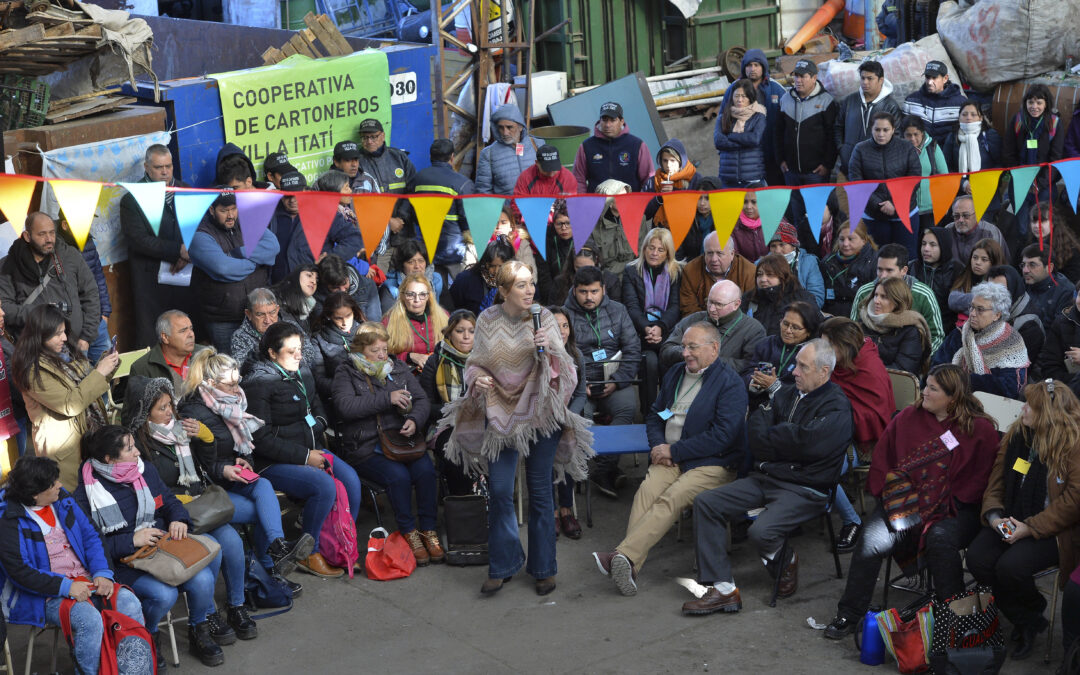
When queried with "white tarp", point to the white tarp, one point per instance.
{"points": [[687, 8], [112, 161], [904, 67]]}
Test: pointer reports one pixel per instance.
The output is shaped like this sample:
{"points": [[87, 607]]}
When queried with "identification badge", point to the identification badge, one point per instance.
{"points": [[310, 420], [1032, 144], [519, 150], [1022, 466], [665, 414], [599, 355], [949, 440], [830, 294]]}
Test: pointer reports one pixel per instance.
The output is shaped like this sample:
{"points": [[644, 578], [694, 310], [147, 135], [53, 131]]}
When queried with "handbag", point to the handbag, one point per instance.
{"points": [[900, 501], [174, 561], [261, 590], [388, 556], [967, 635], [124, 639], [210, 510], [395, 445], [466, 518], [907, 641]]}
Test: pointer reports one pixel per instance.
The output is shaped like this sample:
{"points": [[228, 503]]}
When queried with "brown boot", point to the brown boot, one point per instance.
{"points": [[417, 546], [317, 565], [434, 548]]}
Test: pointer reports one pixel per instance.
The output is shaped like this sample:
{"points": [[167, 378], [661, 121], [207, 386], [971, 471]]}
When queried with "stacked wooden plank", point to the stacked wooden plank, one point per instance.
{"points": [[48, 39], [321, 38], [63, 110]]}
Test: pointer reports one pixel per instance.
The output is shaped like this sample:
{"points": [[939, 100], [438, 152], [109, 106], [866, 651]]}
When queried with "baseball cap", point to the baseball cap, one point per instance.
{"points": [[611, 109], [226, 196], [805, 67], [274, 161], [786, 233], [292, 181], [548, 158], [935, 69], [346, 150], [370, 126]]}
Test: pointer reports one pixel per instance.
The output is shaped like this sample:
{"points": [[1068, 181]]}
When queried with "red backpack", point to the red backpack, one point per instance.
{"points": [[337, 539], [118, 627]]}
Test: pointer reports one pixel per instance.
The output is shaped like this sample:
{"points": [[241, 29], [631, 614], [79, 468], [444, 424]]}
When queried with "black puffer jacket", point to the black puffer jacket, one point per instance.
{"points": [[359, 399], [331, 347], [634, 300], [802, 441], [213, 457], [940, 277], [844, 277], [769, 311], [872, 161], [286, 437], [900, 348], [1064, 334]]}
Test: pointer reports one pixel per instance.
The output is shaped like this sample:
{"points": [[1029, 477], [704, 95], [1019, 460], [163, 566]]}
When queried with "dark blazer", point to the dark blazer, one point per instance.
{"points": [[634, 300], [714, 433]]}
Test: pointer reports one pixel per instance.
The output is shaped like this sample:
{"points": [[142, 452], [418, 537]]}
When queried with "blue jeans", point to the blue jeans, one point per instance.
{"points": [[564, 493], [745, 184], [847, 512], [101, 343], [399, 478], [158, 597], [221, 334], [893, 232], [232, 562], [87, 631], [316, 489], [505, 554], [255, 503]]}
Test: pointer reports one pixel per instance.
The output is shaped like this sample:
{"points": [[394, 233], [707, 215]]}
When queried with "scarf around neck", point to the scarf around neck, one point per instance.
{"points": [[749, 223], [968, 139], [77, 372], [173, 434], [681, 180], [233, 410], [450, 375], [996, 346], [104, 510], [741, 115], [380, 370], [656, 292]]}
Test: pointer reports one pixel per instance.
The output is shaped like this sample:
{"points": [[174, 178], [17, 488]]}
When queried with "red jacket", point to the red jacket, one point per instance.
{"points": [[532, 182], [869, 391]]}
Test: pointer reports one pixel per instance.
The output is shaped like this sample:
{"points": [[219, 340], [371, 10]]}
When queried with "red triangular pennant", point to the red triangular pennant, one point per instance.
{"points": [[900, 190], [317, 211], [631, 211]]}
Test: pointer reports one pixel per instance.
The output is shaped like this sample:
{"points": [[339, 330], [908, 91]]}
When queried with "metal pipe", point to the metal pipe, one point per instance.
{"points": [[690, 104], [658, 78]]}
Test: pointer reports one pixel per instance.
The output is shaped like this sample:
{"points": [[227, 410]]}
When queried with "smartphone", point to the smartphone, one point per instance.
{"points": [[1005, 528], [248, 475], [112, 347], [764, 367], [596, 389]]}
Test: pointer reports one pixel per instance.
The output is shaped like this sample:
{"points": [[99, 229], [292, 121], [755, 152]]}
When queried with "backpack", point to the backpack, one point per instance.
{"points": [[120, 629], [337, 538], [262, 590]]}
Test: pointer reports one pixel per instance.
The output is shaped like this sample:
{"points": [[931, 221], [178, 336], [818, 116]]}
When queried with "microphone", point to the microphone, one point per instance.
{"points": [[535, 311]]}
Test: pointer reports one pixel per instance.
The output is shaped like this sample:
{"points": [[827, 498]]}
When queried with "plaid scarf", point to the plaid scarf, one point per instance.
{"points": [[450, 375], [103, 507], [996, 346], [379, 370], [173, 434], [95, 412], [232, 408]]}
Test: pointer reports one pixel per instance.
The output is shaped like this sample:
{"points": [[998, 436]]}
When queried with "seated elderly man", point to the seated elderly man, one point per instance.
{"points": [[798, 442], [169, 358], [696, 431], [715, 264], [739, 333]]}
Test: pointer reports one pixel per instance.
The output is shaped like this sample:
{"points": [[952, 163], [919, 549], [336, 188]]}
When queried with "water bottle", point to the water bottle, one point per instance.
{"points": [[872, 652]]}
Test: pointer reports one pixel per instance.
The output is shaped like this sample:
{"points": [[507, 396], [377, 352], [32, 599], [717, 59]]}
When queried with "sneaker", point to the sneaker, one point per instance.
{"points": [[203, 646], [624, 575], [221, 632], [242, 623], [603, 561], [840, 627], [285, 554], [605, 485]]}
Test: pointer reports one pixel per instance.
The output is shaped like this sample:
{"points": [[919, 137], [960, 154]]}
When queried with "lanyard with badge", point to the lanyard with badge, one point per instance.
{"points": [[299, 382], [785, 358], [667, 413], [599, 354], [730, 328], [426, 335]]}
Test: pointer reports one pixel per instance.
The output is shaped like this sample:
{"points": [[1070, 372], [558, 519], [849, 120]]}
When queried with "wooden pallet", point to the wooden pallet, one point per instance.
{"points": [[321, 30], [61, 45], [84, 106]]}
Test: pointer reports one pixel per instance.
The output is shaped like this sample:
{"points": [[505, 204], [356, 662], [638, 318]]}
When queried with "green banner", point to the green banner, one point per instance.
{"points": [[303, 106]]}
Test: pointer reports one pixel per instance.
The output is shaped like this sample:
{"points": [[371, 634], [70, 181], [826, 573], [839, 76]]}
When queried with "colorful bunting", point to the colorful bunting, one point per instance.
{"points": [[771, 204], [190, 209], [151, 199], [815, 197], [1022, 178], [534, 213], [373, 213], [430, 213], [631, 211], [857, 195], [483, 215], [900, 190], [255, 208], [726, 207], [317, 212], [943, 191], [1070, 173], [584, 213], [680, 209], [15, 195], [983, 186], [78, 200]]}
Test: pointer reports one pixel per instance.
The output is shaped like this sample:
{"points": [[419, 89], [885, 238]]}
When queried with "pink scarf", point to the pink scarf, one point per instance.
{"points": [[748, 223]]}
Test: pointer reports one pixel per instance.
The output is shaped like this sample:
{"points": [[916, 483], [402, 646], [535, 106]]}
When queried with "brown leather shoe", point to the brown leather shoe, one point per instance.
{"points": [[317, 565], [789, 577], [713, 602], [418, 550], [433, 546]]}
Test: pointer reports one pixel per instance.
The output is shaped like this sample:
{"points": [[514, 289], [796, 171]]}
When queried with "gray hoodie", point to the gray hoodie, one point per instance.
{"points": [[499, 164], [853, 119]]}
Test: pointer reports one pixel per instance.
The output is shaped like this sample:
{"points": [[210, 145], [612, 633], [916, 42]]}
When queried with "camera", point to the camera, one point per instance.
{"points": [[63, 306]]}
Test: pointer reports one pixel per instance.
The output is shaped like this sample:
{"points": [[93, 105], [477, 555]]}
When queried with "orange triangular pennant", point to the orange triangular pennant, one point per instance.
{"points": [[943, 191], [373, 213]]}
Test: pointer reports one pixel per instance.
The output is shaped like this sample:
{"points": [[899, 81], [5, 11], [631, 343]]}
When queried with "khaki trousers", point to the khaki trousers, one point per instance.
{"points": [[663, 495]]}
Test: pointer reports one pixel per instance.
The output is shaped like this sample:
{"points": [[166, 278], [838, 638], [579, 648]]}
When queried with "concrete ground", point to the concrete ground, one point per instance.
{"points": [[436, 621]]}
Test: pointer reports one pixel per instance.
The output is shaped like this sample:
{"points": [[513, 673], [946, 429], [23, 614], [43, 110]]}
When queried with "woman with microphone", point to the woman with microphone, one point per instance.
{"points": [[519, 380]]}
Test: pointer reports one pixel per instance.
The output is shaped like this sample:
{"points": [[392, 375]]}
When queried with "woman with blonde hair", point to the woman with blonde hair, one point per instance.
{"points": [[1030, 509], [900, 333], [517, 405], [415, 322], [651, 296]]}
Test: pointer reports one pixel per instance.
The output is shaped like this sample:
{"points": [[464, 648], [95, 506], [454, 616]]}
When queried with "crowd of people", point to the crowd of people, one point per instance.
{"points": [[760, 368]]}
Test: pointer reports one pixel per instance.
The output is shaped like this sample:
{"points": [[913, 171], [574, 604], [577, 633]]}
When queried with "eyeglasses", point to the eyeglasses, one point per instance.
{"points": [[721, 305], [422, 295], [793, 327], [979, 310], [561, 225], [963, 216]]}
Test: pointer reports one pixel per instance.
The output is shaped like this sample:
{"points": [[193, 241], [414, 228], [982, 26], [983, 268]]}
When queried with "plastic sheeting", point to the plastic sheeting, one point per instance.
{"points": [[995, 41], [904, 67]]}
